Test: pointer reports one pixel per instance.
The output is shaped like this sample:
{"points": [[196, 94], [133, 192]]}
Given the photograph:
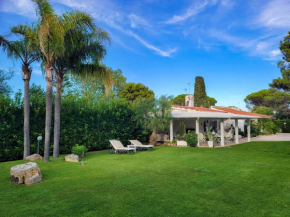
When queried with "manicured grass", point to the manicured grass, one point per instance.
{"points": [[250, 179]]}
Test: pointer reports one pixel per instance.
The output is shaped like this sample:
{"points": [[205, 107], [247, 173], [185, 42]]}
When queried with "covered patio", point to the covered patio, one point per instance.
{"points": [[198, 118]]}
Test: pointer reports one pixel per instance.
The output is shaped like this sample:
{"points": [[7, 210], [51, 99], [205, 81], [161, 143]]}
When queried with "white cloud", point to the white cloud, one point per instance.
{"points": [[163, 53], [264, 46], [275, 14], [20, 7], [137, 22], [193, 10], [108, 13]]}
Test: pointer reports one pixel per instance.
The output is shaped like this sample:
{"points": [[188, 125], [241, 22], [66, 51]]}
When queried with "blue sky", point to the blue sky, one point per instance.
{"points": [[165, 44]]}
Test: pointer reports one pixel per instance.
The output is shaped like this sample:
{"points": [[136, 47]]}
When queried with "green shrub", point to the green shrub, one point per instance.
{"points": [[191, 139], [79, 150], [282, 125]]}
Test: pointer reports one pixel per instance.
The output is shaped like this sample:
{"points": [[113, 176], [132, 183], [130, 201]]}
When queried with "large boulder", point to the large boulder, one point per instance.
{"points": [[33, 157], [27, 174], [72, 158]]}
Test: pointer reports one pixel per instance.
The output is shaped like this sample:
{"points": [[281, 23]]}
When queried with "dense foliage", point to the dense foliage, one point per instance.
{"points": [[210, 101], [133, 91], [179, 100], [83, 123], [284, 125], [263, 110], [284, 65], [268, 97], [191, 139], [199, 92], [5, 89], [79, 150]]}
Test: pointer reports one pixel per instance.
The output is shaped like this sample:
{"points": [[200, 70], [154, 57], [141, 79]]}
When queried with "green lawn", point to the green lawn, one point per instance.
{"points": [[250, 179]]}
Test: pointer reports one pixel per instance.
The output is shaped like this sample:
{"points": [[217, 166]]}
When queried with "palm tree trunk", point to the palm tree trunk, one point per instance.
{"points": [[49, 73], [57, 107], [26, 120], [26, 74]]}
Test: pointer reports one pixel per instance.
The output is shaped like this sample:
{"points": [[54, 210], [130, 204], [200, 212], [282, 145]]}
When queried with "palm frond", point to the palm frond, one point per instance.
{"points": [[94, 72], [51, 37], [43, 8], [13, 49], [28, 34]]}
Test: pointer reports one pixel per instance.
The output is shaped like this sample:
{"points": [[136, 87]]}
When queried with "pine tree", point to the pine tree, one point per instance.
{"points": [[284, 65]]}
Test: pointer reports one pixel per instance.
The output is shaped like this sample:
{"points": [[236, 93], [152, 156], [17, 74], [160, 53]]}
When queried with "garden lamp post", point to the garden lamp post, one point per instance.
{"points": [[285, 125], [39, 138]]}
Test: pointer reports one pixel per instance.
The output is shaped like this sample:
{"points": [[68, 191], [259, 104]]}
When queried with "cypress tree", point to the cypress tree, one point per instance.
{"points": [[200, 97]]}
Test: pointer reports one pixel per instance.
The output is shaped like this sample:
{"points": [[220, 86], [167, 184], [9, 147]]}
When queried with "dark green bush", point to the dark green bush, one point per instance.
{"points": [[82, 122], [191, 139], [283, 125]]}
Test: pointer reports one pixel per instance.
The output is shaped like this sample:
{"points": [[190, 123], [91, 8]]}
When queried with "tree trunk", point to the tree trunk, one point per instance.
{"points": [[26, 73], [59, 79], [49, 73]]}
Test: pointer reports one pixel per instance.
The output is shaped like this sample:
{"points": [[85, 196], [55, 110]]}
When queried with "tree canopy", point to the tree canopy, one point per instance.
{"points": [[5, 88], [179, 100], [284, 65], [263, 110], [200, 96], [268, 97], [133, 91], [210, 101]]}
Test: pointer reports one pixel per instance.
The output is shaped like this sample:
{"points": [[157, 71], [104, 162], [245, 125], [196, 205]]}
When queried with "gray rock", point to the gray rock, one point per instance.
{"points": [[27, 174], [33, 157], [72, 158]]}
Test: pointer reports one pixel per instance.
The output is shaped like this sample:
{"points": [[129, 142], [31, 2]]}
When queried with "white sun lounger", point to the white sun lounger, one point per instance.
{"points": [[139, 145], [119, 147]]}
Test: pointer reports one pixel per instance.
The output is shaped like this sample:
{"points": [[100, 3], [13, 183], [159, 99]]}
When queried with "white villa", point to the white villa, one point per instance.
{"points": [[219, 118]]}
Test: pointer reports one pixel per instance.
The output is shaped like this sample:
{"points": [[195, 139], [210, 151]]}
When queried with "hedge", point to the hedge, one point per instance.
{"points": [[82, 122]]}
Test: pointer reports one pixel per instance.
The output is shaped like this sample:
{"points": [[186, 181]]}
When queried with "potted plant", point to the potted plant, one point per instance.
{"points": [[167, 143], [210, 137], [181, 135], [173, 142]]}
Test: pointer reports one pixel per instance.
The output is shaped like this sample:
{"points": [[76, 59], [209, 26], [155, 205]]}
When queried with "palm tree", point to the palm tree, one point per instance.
{"points": [[51, 40], [83, 42], [26, 50]]}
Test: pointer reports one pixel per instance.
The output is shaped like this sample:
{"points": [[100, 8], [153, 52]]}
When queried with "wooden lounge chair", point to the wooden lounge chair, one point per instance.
{"points": [[119, 147], [138, 145]]}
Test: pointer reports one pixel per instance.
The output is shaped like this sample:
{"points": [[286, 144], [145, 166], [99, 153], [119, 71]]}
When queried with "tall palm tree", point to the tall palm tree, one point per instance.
{"points": [[26, 50], [83, 42], [51, 40]]}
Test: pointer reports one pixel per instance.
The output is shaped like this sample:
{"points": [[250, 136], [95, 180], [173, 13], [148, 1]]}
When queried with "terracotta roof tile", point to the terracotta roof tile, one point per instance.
{"points": [[201, 109], [239, 112]]}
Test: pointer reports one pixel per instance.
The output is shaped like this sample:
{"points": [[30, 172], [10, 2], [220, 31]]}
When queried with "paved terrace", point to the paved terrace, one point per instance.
{"points": [[276, 137]]}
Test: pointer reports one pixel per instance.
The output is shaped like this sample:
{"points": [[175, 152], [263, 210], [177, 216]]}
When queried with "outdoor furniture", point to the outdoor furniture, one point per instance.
{"points": [[202, 137], [119, 147], [217, 138], [229, 136], [138, 145]]}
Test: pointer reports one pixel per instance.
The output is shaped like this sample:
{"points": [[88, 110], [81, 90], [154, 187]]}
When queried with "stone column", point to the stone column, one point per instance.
{"points": [[237, 130], [222, 128], [197, 131], [171, 130], [249, 129]]}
